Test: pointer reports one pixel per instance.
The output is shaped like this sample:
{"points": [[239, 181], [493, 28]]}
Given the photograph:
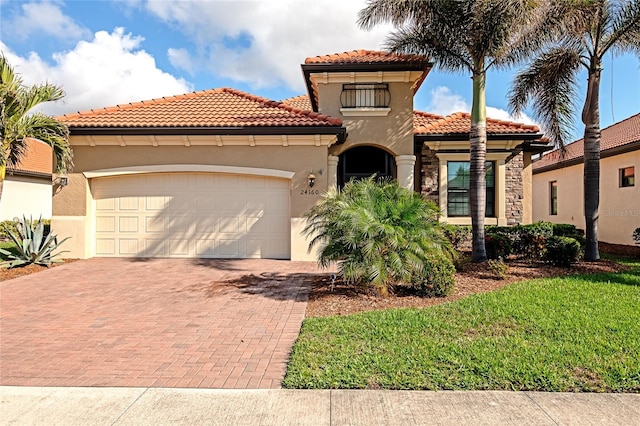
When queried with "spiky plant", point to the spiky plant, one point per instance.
{"points": [[379, 233], [32, 245]]}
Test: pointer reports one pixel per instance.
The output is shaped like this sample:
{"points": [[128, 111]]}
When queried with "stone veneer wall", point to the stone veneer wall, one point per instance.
{"points": [[514, 188], [429, 182]]}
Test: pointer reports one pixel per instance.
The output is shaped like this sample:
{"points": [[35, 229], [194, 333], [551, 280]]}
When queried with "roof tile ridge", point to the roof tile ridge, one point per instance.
{"points": [[311, 114], [511, 123], [425, 113]]}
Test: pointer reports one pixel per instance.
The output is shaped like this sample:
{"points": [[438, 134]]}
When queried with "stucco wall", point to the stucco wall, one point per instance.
{"points": [[301, 160], [71, 203], [393, 132], [27, 196], [619, 207]]}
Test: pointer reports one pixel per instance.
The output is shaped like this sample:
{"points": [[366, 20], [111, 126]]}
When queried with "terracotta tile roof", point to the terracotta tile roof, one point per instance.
{"points": [[426, 123], [38, 158], [364, 57], [618, 134], [460, 123], [301, 102], [424, 119], [209, 108]]}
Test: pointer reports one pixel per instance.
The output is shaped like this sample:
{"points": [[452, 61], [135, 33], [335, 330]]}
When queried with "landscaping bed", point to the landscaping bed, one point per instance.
{"points": [[340, 299]]}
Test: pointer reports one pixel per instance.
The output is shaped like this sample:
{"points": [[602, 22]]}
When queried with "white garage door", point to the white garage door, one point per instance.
{"points": [[192, 215]]}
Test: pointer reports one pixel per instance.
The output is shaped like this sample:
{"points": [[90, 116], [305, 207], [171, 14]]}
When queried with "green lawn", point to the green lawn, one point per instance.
{"points": [[579, 333], [7, 245]]}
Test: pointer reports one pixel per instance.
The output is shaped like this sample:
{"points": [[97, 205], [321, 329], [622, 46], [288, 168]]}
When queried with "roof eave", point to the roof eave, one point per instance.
{"points": [[339, 131], [463, 136], [622, 149], [307, 69]]}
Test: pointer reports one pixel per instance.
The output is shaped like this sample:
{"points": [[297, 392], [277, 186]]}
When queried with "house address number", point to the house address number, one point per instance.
{"points": [[309, 192]]}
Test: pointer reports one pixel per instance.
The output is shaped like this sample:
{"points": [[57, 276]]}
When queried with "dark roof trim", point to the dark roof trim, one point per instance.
{"points": [[307, 69], [28, 173], [465, 136], [340, 132], [622, 149]]}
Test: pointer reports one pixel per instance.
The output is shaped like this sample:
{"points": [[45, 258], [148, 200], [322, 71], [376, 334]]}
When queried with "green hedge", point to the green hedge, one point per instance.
{"points": [[10, 226]]}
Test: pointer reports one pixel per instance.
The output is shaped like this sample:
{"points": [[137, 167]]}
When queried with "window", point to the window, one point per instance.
{"points": [[627, 177], [458, 179], [370, 95], [553, 197]]}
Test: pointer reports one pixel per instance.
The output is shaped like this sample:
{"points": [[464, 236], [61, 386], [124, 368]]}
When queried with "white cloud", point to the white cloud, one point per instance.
{"points": [[444, 102], [277, 36], [45, 18], [110, 69]]}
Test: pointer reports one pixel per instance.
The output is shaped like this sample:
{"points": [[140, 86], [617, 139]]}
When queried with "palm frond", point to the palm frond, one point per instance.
{"points": [[52, 132], [624, 29], [396, 12], [549, 83]]}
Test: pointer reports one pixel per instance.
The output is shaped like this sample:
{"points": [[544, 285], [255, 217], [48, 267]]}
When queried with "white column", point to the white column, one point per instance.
{"points": [[332, 172], [405, 165]]}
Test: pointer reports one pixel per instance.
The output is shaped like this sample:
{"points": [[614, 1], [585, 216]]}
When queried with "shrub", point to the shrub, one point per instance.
{"points": [[497, 245], [458, 235], [436, 278], [562, 251], [530, 240], [498, 268], [32, 245], [379, 233], [566, 230], [636, 236], [7, 226]]}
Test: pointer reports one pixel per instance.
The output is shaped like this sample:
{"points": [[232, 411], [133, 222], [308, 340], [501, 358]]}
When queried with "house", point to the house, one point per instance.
{"points": [[558, 189], [27, 187], [222, 173]]}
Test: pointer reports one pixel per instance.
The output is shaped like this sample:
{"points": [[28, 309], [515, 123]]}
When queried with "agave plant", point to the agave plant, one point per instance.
{"points": [[32, 245]]}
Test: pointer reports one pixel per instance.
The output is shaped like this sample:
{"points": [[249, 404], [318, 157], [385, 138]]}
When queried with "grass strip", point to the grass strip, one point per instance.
{"points": [[576, 333]]}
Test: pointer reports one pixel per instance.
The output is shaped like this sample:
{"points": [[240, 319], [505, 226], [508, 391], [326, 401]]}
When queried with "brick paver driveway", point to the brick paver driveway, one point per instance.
{"points": [[161, 323]]}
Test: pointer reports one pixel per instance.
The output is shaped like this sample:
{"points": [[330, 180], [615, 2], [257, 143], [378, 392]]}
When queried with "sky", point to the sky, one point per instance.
{"points": [[104, 53]]}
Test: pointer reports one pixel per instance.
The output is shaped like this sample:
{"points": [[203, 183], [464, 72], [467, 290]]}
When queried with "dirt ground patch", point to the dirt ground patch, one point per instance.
{"points": [[338, 299]]}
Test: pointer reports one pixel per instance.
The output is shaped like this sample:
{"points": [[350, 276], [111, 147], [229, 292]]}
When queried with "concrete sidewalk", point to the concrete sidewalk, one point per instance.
{"points": [[158, 406]]}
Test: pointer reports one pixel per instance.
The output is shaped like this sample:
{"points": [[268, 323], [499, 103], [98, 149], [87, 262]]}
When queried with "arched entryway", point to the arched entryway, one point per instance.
{"points": [[363, 161]]}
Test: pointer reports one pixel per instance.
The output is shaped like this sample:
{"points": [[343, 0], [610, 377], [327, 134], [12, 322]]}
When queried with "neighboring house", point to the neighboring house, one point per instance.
{"points": [[221, 173], [558, 189], [27, 187]]}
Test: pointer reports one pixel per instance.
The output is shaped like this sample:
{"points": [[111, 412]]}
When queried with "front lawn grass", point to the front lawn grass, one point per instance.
{"points": [[9, 246], [576, 333]]}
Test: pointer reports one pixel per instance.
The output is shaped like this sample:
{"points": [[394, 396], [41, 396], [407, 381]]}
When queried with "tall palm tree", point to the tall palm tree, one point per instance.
{"points": [[585, 31], [18, 124], [470, 36]]}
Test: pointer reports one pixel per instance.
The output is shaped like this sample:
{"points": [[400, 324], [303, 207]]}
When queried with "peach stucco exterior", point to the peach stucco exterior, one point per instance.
{"points": [[74, 205], [619, 206], [115, 202]]}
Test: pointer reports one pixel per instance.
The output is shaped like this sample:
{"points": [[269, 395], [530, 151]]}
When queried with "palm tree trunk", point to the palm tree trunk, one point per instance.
{"points": [[3, 172], [591, 120], [478, 153]]}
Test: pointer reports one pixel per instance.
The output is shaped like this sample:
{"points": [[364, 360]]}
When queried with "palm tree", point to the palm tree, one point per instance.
{"points": [[471, 36], [583, 33], [16, 100]]}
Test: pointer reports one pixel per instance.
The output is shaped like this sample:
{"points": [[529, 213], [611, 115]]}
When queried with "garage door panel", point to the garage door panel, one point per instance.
{"points": [[128, 224], [105, 246], [192, 215], [128, 246], [153, 224], [179, 247]]}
